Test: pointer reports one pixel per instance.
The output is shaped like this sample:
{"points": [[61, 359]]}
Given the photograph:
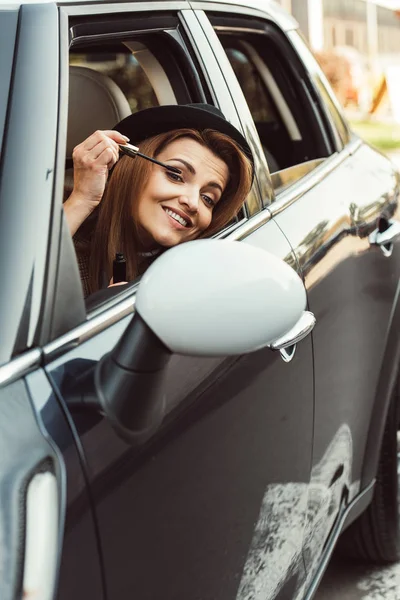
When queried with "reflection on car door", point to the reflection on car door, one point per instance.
{"points": [[214, 504], [351, 288]]}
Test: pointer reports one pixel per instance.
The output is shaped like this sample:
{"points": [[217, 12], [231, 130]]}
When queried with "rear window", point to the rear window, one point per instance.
{"points": [[8, 28]]}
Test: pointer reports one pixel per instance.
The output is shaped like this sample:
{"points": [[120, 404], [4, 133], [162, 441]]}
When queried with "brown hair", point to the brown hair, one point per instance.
{"points": [[116, 229]]}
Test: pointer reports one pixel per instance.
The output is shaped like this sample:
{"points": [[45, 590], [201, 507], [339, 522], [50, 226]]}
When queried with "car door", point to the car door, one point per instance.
{"points": [[333, 197], [213, 504]]}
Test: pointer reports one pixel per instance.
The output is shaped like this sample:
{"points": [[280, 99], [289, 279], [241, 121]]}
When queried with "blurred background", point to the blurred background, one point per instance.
{"points": [[357, 43]]}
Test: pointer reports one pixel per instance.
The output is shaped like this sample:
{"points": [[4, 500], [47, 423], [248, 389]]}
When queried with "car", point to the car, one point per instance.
{"points": [[214, 429]]}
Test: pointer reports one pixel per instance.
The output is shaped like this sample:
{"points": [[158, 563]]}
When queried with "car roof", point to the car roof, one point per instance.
{"points": [[270, 8]]}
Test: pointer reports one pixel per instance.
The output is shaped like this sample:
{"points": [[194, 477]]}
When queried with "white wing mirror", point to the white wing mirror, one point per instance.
{"points": [[218, 298], [203, 298]]}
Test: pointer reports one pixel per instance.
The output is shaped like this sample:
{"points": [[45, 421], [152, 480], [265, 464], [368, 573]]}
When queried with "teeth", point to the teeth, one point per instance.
{"points": [[178, 218]]}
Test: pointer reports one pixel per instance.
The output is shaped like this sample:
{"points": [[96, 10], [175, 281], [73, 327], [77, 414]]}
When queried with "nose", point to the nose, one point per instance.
{"points": [[190, 200]]}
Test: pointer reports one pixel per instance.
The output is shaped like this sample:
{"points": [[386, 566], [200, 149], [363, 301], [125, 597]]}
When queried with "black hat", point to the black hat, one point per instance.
{"points": [[160, 119]]}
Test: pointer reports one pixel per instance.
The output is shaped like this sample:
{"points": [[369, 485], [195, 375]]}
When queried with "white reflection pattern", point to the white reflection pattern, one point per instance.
{"points": [[276, 544], [293, 514], [382, 583]]}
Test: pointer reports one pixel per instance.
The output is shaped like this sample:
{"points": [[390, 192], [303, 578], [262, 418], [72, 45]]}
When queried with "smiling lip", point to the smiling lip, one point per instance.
{"points": [[181, 214]]}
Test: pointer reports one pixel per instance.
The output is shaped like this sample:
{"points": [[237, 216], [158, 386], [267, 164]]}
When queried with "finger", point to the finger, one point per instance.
{"points": [[119, 283], [106, 158], [90, 142], [97, 150], [88, 157], [119, 138], [99, 136]]}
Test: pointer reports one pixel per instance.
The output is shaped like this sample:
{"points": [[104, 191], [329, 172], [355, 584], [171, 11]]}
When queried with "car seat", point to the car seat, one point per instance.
{"points": [[95, 102]]}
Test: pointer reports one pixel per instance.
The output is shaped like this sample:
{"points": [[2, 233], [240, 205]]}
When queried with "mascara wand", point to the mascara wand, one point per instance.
{"points": [[133, 151]]}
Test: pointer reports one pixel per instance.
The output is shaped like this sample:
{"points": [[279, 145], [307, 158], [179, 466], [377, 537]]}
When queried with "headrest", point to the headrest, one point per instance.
{"points": [[95, 102]]}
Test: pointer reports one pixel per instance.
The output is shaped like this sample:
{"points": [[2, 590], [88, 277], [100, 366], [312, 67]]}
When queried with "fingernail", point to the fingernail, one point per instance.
{"points": [[126, 138]]}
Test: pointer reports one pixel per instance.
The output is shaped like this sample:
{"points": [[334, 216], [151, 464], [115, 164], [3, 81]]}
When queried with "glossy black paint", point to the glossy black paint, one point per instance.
{"points": [[177, 513], [352, 289]]}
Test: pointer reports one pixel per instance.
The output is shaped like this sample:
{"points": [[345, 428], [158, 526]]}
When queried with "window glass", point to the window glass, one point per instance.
{"points": [[253, 88], [282, 113], [338, 122]]}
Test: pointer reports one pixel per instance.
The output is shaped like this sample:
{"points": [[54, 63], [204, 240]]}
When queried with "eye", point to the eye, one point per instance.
{"points": [[209, 201], [174, 176]]}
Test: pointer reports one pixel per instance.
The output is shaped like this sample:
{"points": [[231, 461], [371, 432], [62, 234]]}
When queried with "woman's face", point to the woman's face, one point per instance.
{"points": [[177, 208]]}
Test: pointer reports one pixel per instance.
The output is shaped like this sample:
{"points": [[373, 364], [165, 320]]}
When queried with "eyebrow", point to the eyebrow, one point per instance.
{"points": [[192, 170]]}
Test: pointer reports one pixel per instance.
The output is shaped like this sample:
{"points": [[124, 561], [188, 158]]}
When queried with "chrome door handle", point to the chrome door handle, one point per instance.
{"points": [[385, 239], [286, 344]]}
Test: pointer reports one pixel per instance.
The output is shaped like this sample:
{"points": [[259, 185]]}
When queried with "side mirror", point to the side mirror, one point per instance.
{"points": [[202, 298], [218, 298]]}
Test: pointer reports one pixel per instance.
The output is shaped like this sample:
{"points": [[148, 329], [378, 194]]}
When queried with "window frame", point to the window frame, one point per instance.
{"points": [[117, 301], [247, 25]]}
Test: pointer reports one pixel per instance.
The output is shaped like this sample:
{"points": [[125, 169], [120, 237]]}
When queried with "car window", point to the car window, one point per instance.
{"points": [[291, 125], [148, 66], [257, 95]]}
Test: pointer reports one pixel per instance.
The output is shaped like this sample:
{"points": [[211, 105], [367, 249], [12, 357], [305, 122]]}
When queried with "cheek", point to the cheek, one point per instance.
{"points": [[205, 219]]}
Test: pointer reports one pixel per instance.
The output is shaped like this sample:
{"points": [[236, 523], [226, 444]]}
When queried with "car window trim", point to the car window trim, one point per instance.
{"points": [[20, 366], [113, 8], [186, 82], [284, 20]]}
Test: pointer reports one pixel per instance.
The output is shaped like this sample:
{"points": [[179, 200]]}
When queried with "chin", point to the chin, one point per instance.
{"points": [[168, 241]]}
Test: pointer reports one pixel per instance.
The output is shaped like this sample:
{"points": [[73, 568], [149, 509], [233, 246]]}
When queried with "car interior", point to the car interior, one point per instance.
{"points": [[108, 82]]}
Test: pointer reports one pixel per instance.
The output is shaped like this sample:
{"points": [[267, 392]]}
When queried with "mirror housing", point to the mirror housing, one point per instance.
{"points": [[219, 298]]}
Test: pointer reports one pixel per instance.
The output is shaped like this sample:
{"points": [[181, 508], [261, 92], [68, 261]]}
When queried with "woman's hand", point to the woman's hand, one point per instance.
{"points": [[112, 284], [93, 159]]}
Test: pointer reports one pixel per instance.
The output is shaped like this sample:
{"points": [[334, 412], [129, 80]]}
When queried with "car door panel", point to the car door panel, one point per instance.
{"points": [[351, 289], [201, 508], [204, 504]]}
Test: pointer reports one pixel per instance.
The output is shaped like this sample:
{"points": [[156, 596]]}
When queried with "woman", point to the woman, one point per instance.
{"points": [[145, 208]]}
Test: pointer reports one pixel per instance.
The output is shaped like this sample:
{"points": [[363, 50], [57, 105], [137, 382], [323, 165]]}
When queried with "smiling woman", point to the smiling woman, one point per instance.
{"points": [[146, 208]]}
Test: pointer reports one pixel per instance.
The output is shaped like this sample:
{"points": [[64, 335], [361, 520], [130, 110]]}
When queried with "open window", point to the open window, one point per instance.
{"points": [[118, 66]]}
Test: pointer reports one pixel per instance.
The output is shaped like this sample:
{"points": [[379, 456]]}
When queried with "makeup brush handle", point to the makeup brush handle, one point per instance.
{"points": [[119, 268]]}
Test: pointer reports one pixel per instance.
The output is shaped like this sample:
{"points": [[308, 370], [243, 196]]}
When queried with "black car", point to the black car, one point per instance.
{"points": [[222, 455]]}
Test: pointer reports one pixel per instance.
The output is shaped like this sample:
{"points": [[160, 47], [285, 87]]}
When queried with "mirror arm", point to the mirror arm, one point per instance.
{"points": [[130, 382], [127, 385]]}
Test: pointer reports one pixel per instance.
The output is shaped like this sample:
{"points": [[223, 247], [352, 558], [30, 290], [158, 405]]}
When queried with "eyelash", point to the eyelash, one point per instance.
{"points": [[177, 178]]}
